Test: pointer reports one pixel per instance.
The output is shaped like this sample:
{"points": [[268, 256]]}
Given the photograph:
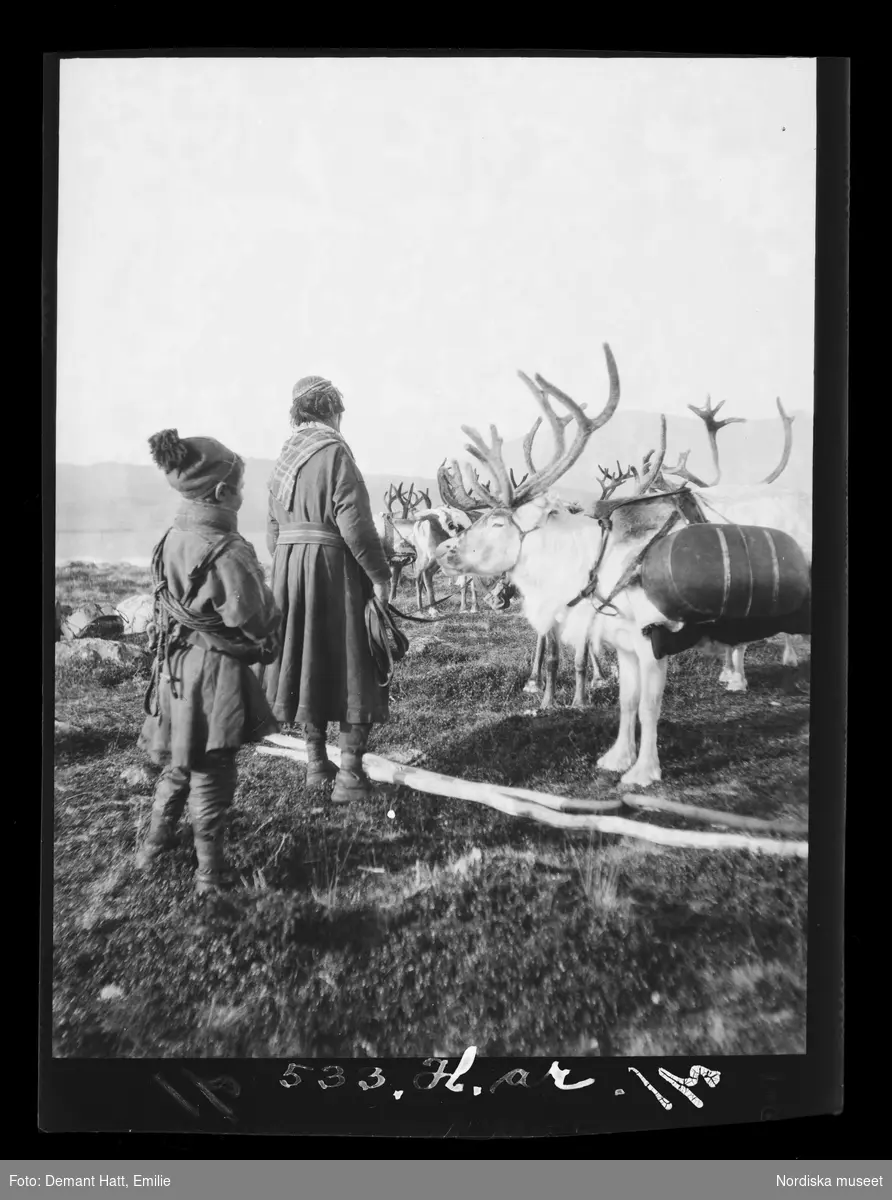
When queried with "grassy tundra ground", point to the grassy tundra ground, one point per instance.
{"points": [[359, 935]]}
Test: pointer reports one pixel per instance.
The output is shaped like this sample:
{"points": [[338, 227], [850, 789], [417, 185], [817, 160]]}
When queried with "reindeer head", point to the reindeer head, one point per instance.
{"points": [[492, 545]]}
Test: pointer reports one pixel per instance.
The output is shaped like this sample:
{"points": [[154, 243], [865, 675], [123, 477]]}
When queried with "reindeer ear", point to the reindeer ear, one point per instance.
{"points": [[552, 505]]}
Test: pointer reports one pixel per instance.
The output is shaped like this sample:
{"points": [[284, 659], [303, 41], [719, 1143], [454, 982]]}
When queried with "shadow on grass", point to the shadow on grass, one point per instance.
{"points": [[86, 742]]}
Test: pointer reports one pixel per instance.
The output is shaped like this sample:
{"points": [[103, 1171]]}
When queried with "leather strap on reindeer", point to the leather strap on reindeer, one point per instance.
{"points": [[590, 591]]}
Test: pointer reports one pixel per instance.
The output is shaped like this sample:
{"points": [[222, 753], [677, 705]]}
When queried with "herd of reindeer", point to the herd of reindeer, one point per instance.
{"points": [[578, 572]]}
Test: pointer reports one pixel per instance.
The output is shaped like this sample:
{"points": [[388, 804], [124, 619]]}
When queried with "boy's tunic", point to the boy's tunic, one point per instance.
{"points": [[219, 704], [325, 671]]}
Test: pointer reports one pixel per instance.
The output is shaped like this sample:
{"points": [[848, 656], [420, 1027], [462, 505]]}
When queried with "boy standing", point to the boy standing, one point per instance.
{"points": [[215, 617]]}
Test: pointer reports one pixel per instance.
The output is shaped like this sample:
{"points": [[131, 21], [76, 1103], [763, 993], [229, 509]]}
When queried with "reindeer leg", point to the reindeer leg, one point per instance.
{"points": [[395, 573], [652, 675], [791, 658], [727, 666], [462, 581], [429, 578], [621, 754], [473, 586], [580, 665], [598, 680], [552, 659], [737, 681], [419, 582], [532, 684]]}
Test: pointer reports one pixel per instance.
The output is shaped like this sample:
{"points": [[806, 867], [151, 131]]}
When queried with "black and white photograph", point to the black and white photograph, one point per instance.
{"points": [[433, 557]]}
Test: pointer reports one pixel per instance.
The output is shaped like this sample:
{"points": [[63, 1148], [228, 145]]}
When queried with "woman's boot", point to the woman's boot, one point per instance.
{"points": [[352, 783], [319, 770]]}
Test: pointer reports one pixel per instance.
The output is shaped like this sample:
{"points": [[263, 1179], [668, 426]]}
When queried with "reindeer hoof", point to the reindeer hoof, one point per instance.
{"points": [[642, 776], [736, 685], [614, 761], [531, 686]]}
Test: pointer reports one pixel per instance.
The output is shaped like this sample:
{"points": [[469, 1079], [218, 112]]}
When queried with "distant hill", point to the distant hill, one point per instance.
{"points": [[119, 497], [122, 497]]}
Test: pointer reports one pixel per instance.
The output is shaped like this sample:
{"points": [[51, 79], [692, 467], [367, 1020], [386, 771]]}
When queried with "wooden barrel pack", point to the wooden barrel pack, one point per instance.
{"points": [[710, 572]]}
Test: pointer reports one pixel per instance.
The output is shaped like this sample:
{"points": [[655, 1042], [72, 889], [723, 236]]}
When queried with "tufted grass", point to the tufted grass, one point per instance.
{"points": [[354, 934]]}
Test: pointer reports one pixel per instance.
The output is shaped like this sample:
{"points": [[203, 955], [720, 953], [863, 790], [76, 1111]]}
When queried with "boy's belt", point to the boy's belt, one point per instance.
{"points": [[309, 533]]}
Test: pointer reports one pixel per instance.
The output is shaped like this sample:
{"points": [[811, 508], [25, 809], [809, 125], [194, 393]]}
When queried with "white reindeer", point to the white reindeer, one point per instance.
{"points": [[575, 573]]}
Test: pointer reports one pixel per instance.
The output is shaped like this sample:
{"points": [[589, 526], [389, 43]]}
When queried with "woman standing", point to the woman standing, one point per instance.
{"points": [[327, 562]]}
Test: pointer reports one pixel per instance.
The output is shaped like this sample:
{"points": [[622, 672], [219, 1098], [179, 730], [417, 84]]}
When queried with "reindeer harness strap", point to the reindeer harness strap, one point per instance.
{"points": [[590, 591]]}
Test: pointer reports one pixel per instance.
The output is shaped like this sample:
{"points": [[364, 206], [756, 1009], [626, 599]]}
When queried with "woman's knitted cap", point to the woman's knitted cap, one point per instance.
{"points": [[314, 397], [193, 466]]}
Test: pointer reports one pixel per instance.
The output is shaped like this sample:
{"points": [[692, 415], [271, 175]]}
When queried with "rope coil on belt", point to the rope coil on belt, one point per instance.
{"points": [[173, 618]]}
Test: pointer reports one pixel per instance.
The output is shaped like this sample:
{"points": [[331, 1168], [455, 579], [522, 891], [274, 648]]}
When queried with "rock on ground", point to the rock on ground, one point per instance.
{"points": [[137, 612], [98, 650], [138, 778]]}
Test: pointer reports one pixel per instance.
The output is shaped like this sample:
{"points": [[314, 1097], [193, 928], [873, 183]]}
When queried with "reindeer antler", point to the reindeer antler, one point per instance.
{"points": [[389, 496], [509, 492], [404, 500], [468, 496], [491, 456], [530, 437], [681, 470], [562, 460], [610, 482], [425, 496], [707, 415], [788, 444], [652, 472]]}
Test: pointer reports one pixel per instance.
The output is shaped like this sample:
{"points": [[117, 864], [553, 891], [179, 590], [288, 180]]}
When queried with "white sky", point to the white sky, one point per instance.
{"points": [[417, 230]]}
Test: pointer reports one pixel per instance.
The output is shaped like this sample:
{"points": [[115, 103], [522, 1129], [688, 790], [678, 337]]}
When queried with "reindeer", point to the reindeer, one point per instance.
{"points": [[429, 532], [549, 554], [760, 504], [547, 651], [396, 532], [581, 575]]}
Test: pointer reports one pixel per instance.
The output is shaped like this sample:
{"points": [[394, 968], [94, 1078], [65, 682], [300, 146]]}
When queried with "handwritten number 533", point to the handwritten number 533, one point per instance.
{"points": [[335, 1078]]}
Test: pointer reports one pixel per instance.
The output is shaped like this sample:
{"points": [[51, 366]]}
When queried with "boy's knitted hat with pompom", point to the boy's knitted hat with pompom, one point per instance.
{"points": [[193, 466]]}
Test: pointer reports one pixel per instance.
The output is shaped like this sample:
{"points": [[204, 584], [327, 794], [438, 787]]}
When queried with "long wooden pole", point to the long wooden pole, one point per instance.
{"points": [[385, 771], [713, 816], [516, 802]]}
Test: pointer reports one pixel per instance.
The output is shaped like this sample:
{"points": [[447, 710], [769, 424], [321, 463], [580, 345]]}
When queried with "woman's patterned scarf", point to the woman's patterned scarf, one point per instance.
{"points": [[300, 447]]}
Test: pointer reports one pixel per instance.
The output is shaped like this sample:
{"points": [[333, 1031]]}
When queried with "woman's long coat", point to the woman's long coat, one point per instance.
{"points": [[326, 671]]}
